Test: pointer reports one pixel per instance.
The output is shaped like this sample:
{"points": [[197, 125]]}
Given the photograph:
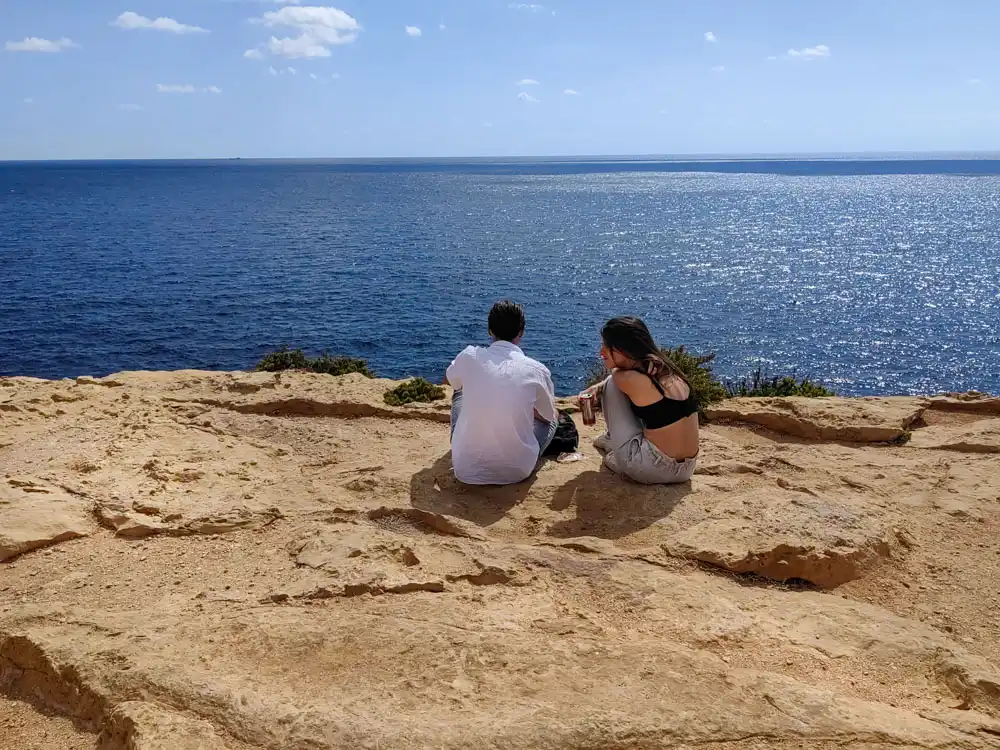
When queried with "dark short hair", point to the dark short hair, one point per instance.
{"points": [[506, 320]]}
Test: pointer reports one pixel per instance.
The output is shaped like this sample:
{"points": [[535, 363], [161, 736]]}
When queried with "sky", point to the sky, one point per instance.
{"points": [[437, 78]]}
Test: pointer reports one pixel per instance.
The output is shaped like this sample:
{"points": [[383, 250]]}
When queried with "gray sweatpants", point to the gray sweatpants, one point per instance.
{"points": [[629, 452]]}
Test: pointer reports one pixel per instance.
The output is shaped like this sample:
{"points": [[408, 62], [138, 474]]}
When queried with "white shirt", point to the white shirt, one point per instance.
{"points": [[494, 441]]}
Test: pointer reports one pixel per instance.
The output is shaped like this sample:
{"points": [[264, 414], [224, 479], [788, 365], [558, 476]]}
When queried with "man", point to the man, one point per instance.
{"points": [[503, 415]]}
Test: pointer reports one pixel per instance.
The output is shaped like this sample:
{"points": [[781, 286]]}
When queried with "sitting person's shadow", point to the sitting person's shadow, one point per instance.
{"points": [[436, 489], [610, 507], [606, 505]]}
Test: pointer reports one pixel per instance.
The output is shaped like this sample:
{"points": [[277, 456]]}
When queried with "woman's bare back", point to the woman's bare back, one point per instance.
{"points": [[680, 439]]}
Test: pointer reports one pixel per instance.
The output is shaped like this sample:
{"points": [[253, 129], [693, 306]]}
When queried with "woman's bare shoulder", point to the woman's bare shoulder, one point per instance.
{"points": [[624, 377], [628, 380]]}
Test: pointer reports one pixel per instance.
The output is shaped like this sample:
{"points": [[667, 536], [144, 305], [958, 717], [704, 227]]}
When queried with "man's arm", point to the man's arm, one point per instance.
{"points": [[545, 400], [453, 375]]}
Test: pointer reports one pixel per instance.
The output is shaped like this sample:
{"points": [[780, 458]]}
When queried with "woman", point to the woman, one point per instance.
{"points": [[649, 408]]}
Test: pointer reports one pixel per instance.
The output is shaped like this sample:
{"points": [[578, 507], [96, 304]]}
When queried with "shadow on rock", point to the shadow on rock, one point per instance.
{"points": [[611, 508], [436, 489]]}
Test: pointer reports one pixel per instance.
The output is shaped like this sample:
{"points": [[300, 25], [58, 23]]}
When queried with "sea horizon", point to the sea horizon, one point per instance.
{"points": [[887, 155]]}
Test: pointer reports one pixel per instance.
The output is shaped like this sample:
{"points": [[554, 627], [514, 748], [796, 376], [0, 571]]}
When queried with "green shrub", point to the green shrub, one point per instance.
{"points": [[284, 359], [760, 383], [696, 368], [416, 389], [340, 365], [296, 359]]}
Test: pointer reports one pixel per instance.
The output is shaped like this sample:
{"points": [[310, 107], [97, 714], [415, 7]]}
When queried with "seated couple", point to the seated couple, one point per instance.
{"points": [[504, 416]]}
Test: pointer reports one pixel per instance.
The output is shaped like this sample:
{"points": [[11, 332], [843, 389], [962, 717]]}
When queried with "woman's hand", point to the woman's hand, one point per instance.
{"points": [[595, 390]]}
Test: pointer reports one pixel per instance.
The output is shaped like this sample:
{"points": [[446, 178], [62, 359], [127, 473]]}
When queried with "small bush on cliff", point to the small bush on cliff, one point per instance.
{"points": [[416, 389], [296, 359], [697, 368], [760, 383], [340, 365], [284, 359]]}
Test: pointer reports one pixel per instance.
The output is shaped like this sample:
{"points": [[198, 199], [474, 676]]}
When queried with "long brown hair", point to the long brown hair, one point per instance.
{"points": [[631, 337]]}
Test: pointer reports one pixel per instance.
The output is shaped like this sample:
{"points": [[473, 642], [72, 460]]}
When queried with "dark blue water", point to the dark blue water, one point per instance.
{"points": [[874, 276]]}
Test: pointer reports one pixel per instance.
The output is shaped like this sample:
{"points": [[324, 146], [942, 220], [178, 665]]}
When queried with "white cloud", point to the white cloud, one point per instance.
{"points": [[335, 76], [529, 7], [129, 20], [809, 53], [442, 27], [34, 44], [571, 92], [528, 82], [772, 57], [974, 81], [719, 69], [254, 54], [710, 37], [272, 71], [300, 47], [186, 88], [413, 31], [291, 71], [319, 28], [314, 76], [130, 107], [524, 96], [330, 24], [487, 124]]}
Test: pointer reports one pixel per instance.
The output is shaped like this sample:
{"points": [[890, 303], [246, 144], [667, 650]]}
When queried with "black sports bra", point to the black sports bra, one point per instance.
{"points": [[666, 411]]}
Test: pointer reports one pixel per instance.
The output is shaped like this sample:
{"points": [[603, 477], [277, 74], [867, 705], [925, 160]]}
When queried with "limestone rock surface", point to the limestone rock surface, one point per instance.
{"points": [[250, 561], [36, 514], [862, 420]]}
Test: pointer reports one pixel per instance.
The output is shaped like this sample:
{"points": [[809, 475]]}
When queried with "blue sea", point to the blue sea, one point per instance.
{"points": [[871, 275]]}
